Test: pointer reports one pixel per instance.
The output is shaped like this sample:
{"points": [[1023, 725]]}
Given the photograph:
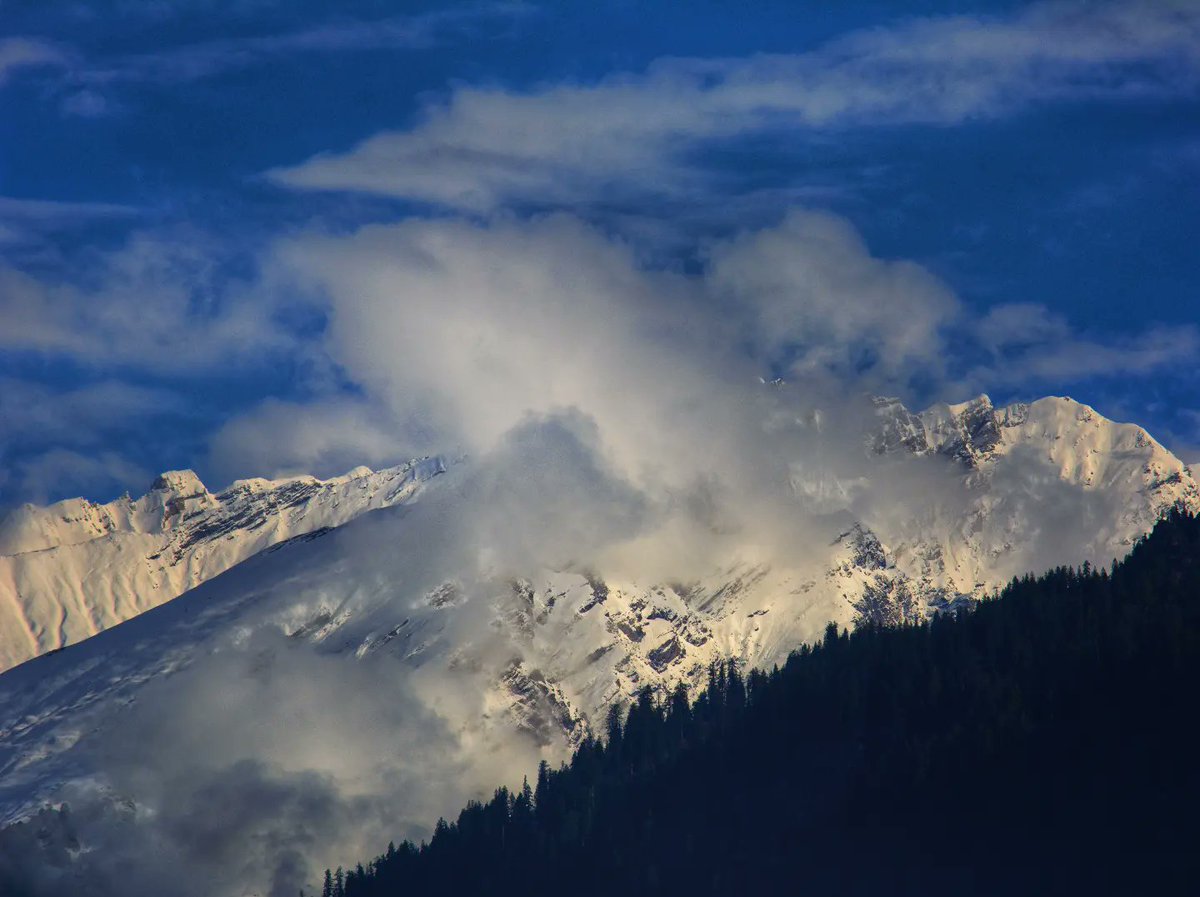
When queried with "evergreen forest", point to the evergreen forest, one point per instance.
{"points": [[1044, 742]]}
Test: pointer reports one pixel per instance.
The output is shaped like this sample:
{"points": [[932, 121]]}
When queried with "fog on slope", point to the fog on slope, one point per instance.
{"points": [[613, 423], [255, 750]]}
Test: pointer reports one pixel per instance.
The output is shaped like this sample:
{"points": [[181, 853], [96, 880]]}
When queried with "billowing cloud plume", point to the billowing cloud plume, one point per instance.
{"points": [[463, 329], [284, 752], [323, 437], [434, 335], [822, 301]]}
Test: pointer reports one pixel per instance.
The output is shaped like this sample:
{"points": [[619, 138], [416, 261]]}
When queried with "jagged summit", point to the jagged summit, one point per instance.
{"points": [[183, 483], [975, 432], [74, 568]]}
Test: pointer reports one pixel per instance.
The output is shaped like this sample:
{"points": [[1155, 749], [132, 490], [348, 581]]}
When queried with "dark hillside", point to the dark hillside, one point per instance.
{"points": [[1043, 743]]}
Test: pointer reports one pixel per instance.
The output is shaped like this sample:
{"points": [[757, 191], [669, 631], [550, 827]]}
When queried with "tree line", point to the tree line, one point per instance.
{"points": [[1042, 743]]}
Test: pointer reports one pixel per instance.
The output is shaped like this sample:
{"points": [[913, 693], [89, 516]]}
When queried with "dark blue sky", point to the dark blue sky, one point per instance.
{"points": [[1043, 161]]}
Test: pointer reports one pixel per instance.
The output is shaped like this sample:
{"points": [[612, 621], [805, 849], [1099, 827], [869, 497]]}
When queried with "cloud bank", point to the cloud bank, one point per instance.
{"points": [[439, 334]]}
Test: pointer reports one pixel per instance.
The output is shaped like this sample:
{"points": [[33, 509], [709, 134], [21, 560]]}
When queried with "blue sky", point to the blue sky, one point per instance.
{"points": [[926, 199]]}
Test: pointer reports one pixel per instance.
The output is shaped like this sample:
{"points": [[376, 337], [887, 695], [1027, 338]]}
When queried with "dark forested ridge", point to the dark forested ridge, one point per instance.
{"points": [[1042, 743]]}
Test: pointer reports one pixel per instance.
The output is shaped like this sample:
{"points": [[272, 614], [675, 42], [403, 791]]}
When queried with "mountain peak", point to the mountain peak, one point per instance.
{"points": [[183, 483], [981, 403], [64, 570]]}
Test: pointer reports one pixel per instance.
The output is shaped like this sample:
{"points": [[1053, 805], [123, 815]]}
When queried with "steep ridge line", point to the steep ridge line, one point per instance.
{"points": [[75, 568]]}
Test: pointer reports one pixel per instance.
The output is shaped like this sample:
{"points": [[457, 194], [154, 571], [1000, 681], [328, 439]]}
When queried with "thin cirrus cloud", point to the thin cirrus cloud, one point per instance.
{"points": [[53, 440], [486, 147], [196, 61], [88, 82], [159, 303], [1026, 343], [23, 219], [28, 52]]}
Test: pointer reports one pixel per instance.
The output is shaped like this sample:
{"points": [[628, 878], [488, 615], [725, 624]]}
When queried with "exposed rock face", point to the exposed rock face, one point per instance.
{"points": [[899, 429], [538, 707], [1043, 483], [969, 433]]}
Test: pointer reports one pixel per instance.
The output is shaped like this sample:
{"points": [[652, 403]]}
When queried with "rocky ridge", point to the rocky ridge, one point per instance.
{"points": [[75, 568]]}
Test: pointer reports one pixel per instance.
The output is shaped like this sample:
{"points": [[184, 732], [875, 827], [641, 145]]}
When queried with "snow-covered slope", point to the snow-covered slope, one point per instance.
{"points": [[1046, 483], [492, 667], [74, 568]]}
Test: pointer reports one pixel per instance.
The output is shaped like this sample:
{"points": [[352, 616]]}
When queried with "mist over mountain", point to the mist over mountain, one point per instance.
{"points": [[858, 761], [555, 355], [488, 612]]}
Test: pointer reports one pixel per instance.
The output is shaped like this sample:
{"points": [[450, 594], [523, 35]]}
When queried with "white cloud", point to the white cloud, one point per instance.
{"points": [[464, 330], [63, 471], [462, 333], [457, 331], [325, 437], [158, 303], [56, 442], [450, 332], [486, 147], [823, 301], [1028, 344]]}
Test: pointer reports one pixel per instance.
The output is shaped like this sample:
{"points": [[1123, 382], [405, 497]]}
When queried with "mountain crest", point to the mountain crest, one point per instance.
{"points": [[183, 483], [74, 568]]}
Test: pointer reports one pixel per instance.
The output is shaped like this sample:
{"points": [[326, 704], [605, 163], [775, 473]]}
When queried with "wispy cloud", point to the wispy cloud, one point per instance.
{"points": [[56, 441], [28, 52], [30, 229], [1027, 344], [88, 84], [195, 61], [56, 212], [161, 302], [485, 147], [43, 477]]}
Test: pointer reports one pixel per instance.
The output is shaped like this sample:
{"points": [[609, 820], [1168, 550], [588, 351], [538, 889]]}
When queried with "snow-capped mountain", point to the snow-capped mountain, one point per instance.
{"points": [[1045, 483], [493, 666], [75, 568]]}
